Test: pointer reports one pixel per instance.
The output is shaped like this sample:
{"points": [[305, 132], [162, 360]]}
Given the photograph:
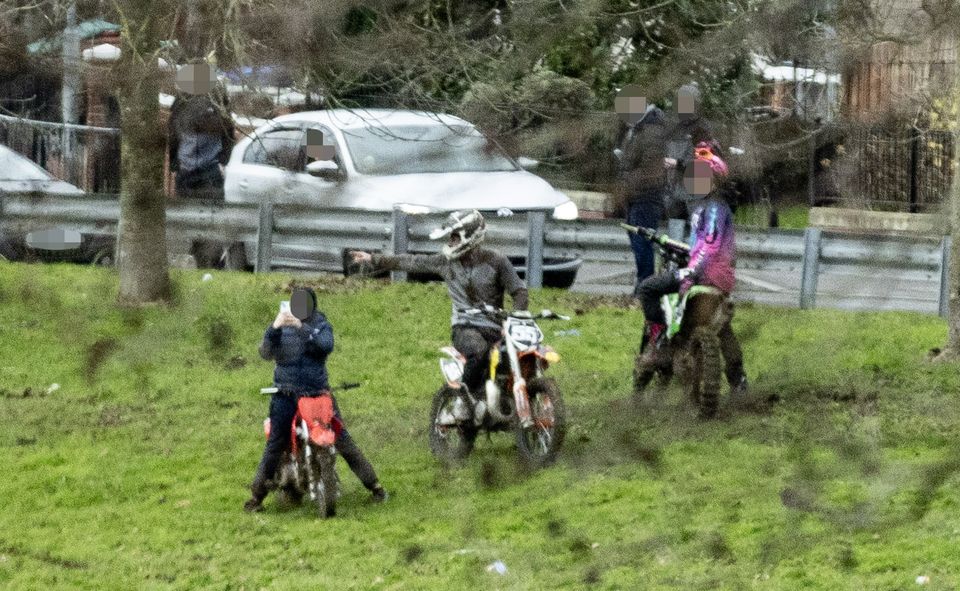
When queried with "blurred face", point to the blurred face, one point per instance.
{"points": [[196, 79], [686, 103], [315, 148], [630, 104], [698, 179], [301, 304]]}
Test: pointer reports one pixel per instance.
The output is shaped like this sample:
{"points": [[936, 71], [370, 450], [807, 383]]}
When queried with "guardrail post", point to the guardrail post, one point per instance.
{"points": [[945, 246], [401, 240], [265, 238], [811, 264], [536, 225]]}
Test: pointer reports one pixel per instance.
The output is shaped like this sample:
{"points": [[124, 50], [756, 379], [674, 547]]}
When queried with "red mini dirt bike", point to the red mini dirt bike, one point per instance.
{"points": [[309, 466]]}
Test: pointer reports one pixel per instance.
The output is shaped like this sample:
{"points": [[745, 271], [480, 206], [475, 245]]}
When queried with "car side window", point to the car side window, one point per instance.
{"points": [[281, 148], [329, 140]]}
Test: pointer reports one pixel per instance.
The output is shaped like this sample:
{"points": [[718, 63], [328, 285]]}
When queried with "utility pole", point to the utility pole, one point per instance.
{"points": [[69, 92]]}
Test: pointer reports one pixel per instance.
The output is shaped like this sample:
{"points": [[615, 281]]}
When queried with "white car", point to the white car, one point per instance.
{"points": [[383, 159], [20, 175]]}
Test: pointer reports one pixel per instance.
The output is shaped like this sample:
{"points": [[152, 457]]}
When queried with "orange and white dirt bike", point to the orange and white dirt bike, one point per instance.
{"points": [[308, 467], [518, 396]]}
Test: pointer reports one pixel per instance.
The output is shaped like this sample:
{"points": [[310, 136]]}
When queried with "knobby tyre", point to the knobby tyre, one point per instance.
{"points": [[323, 482], [449, 443], [539, 444], [707, 371]]}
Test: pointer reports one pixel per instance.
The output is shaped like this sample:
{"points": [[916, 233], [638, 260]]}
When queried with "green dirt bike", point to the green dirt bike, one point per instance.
{"points": [[694, 322]]}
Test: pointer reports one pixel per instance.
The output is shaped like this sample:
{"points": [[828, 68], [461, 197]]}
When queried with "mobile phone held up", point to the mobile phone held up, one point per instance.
{"points": [[285, 307]]}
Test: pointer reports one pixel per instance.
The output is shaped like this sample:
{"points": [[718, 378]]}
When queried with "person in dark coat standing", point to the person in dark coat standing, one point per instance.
{"points": [[201, 134], [684, 133], [300, 340], [642, 158]]}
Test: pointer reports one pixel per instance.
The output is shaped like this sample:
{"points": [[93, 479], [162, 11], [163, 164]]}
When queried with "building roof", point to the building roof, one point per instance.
{"points": [[87, 30]]}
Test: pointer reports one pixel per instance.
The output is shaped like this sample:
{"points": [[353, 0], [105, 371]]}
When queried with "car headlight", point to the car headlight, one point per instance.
{"points": [[566, 211]]}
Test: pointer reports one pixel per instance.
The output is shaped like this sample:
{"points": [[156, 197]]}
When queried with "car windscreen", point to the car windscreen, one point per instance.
{"points": [[380, 150], [14, 167]]}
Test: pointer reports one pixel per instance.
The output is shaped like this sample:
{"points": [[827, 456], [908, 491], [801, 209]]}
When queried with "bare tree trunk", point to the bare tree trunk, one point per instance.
{"points": [[952, 348], [142, 252]]}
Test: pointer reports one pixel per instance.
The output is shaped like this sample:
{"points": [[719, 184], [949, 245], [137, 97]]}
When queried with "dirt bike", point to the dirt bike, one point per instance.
{"points": [[532, 407], [694, 322], [308, 467]]}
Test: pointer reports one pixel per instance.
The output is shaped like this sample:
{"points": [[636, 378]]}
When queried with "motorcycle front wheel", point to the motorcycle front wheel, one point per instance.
{"points": [[323, 481], [539, 443], [705, 371], [449, 442]]}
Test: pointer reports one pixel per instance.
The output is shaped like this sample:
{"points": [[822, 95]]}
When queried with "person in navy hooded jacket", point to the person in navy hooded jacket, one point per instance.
{"points": [[300, 340]]}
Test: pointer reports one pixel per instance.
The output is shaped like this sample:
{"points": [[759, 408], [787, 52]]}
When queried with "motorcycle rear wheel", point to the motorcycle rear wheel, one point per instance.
{"points": [[449, 443], [538, 444], [323, 481]]}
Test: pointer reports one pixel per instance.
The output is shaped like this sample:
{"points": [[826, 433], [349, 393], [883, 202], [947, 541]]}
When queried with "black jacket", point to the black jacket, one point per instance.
{"points": [[301, 354], [642, 174]]}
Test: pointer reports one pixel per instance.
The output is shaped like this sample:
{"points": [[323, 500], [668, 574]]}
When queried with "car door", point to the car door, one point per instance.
{"points": [[315, 191], [270, 166]]}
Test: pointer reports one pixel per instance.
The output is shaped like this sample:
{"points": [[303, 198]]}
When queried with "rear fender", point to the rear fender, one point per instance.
{"points": [[451, 366], [702, 305]]}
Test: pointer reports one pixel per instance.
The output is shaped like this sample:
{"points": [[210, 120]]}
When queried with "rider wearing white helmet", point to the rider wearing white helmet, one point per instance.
{"points": [[475, 277]]}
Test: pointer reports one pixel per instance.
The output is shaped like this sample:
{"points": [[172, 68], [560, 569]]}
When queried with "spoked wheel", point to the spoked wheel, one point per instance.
{"points": [[289, 487], [234, 258], [450, 440], [323, 481], [539, 443], [703, 371]]}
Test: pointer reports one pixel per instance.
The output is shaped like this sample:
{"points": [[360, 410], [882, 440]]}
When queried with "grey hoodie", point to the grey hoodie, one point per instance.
{"points": [[479, 277]]}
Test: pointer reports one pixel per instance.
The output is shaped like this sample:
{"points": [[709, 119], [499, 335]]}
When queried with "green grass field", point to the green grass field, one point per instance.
{"points": [[131, 475], [790, 217]]}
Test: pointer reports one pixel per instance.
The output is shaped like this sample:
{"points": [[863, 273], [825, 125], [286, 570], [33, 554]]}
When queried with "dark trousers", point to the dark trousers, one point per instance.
{"points": [[650, 292], [651, 289], [283, 407], [202, 183], [474, 344], [645, 211]]}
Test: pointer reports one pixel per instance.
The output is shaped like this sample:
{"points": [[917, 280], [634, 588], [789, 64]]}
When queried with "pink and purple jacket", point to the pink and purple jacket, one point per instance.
{"points": [[712, 245]]}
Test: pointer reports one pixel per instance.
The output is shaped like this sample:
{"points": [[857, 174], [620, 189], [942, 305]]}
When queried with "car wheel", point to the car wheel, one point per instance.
{"points": [[207, 253], [560, 279], [234, 258]]}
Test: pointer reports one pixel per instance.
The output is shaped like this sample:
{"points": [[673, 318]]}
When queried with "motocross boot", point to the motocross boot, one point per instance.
{"points": [[379, 494], [258, 492], [657, 353], [739, 392]]}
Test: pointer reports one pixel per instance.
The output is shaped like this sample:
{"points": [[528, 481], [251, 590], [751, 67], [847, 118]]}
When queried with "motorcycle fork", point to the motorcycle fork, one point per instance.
{"points": [[303, 434], [520, 399]]}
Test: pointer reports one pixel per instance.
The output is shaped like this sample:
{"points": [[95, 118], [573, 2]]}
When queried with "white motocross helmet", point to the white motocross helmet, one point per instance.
{"points": [[468, 226]]}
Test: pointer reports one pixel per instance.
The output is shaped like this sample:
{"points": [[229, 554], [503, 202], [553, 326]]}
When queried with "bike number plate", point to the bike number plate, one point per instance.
{"points": [[524, 334]]}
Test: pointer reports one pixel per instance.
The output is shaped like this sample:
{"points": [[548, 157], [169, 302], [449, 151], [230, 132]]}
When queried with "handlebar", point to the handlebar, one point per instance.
{"points": [[674, 249], [658, 238], [500, 314], [340, 388]]}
